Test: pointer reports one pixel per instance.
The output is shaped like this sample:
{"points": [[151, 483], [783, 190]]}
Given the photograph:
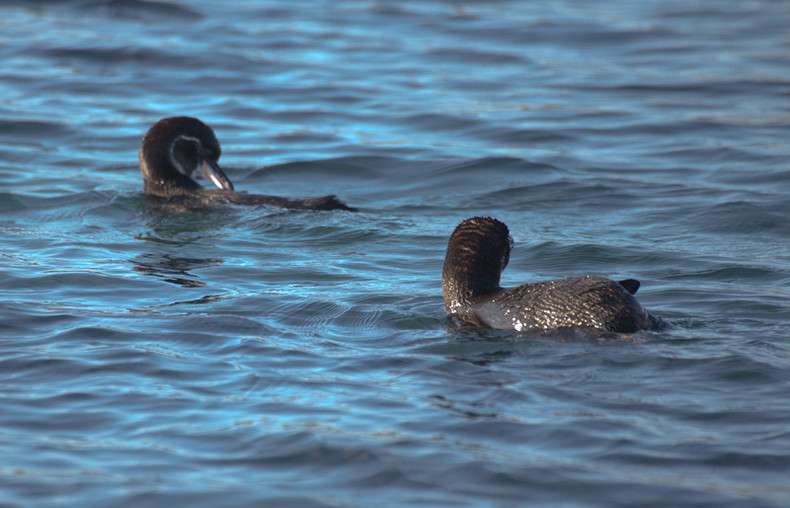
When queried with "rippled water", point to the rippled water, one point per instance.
{"points": [[254, 356]]}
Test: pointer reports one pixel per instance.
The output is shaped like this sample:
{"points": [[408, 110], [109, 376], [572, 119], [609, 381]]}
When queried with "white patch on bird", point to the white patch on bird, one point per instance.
{"points": [[173, 159]]}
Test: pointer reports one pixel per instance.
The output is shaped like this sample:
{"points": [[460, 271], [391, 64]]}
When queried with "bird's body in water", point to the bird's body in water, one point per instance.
{"points": [[478, 252], [178, 149]]}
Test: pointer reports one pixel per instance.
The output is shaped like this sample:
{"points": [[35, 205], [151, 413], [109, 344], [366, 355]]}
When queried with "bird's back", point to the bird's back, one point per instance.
{"points": [[574, 302]]}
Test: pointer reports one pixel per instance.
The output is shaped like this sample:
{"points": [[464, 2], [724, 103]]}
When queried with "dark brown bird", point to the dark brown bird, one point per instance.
{"points": [[478, 252], [178, 149]]}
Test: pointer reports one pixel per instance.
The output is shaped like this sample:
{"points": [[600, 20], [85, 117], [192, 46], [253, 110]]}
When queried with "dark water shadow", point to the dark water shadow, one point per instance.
{"points": [[173, 269], [170, 239]]}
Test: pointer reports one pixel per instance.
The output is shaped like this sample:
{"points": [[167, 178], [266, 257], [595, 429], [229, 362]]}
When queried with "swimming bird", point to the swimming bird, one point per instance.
{"points": [[178, 149], [478, 252]]}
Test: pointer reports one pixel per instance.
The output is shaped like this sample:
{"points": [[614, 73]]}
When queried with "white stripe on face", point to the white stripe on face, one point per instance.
{"points": [[184, 171]]}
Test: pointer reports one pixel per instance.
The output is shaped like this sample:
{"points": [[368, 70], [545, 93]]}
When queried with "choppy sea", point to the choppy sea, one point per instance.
{"points": [[253, 356]]}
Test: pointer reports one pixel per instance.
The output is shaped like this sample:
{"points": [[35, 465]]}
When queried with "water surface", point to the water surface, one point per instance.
{"points": [[254, 356]]}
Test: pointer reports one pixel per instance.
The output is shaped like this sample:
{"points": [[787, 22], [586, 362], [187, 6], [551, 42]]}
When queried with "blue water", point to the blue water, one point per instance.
{"points": [[255, 356]]}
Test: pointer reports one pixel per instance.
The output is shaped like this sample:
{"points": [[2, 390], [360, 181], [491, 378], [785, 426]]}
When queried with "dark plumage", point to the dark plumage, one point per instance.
{"points": [[478, 252], [178, 149]]}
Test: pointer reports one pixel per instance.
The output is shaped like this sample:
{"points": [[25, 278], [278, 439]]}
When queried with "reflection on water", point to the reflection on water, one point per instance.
{"points": [[177, 234], [172, 269]]}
